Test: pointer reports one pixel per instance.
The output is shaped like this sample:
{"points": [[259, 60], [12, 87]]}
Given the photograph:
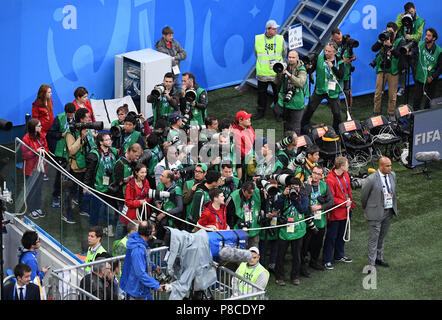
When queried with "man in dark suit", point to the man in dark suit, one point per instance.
{"points": [[378, 197], [22, 289]]}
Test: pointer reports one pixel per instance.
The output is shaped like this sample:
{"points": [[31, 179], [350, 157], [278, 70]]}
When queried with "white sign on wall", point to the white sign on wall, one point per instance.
{"points": [[295, 36]]}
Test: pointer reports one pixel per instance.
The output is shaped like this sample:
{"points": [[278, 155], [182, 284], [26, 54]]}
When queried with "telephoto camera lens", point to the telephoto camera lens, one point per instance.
{"points": [[288, 96], [190, 95], [278, 67], [158, 91], [284, 142]]}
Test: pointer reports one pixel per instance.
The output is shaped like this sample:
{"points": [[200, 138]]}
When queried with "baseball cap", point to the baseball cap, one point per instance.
{"points": [[241, 115], [203, 166], [272, 24], [174, 117], [254, 249]]}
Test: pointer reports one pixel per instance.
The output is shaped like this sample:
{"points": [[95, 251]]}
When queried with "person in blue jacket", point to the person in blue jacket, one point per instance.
{"points": [[28, 254], [135, 278]]}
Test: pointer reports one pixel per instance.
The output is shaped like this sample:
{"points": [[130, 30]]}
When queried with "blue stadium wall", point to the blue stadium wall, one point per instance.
{"points": [[67, 44]]}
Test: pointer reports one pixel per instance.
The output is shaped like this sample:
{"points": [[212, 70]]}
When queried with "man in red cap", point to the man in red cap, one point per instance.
{"points": [[243, 133]]}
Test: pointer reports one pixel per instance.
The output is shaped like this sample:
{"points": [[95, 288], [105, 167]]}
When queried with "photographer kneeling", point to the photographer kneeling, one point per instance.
{"points": [[292, 204], [387, 68]]}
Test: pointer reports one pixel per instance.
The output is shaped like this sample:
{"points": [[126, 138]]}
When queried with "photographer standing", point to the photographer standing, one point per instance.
{"points": [[193, 100], [167, 102], [286, 155], [428, 69], [243, 207], [320, 199], [387, 68], [172, 205], [129, 135], [189, 186], [79, 144], [345, 53], [100, 163], [292, 204], [291, 97], [56, 139], [329, 84], [201, 195], [411, 27]]}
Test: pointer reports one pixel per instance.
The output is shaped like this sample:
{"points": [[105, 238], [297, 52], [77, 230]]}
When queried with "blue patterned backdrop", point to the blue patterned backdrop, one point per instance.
{"points": [[67, 44]]}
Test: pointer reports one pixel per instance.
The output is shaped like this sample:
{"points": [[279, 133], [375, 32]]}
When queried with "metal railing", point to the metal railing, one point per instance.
{"points": [[69, 283]]}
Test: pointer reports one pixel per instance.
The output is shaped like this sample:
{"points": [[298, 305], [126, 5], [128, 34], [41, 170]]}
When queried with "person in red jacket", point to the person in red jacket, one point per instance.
{"points": [[244, 135], [35, 142], [339, 182], [42, 108], [214, 214], [81, 101], [136, 192]]}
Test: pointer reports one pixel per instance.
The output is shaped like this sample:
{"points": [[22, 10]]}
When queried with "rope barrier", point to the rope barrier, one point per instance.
{"points": [[168, 214]]}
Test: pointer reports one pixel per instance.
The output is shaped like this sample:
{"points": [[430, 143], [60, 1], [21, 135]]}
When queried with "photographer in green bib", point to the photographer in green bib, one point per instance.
{"points": [[428, 68], [79, 143], [291, 98], [411, 27], [320, 199], [164, 99], [243, 208], [172, 205], [330, 71], [345, 53], [292, 204], [193, 100], [151, 156], [387, 68], [56, 139], [100, 164], [129, 135]]}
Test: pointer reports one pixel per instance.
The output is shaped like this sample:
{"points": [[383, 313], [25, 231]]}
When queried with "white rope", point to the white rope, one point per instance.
{"points": [[115, 198], [347, 227], [297, 222], [6, 148]]}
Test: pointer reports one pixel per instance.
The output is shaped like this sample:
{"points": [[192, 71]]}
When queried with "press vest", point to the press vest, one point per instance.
{"points": [[298, 100], [104, 164], [292, 232], [198, 115], [394, 61], [61, 147], [267, 50], [324, 76], [427, 62], [251, 274], [253, 206], [320, 223]]}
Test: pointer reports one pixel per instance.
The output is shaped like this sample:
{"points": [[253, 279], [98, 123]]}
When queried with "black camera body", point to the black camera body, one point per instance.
{"points": [[348, 44], [97, 125]]}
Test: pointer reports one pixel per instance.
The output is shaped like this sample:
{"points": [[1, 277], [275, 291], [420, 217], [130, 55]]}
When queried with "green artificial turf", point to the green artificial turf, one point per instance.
{"points": [[413, 247]]}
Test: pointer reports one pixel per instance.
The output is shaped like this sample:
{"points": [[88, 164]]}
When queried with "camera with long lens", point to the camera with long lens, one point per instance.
{"points": [[373, 63], [190, 95], [279, 67], [116, 131], [282, 179], [284, 143], [310, 58], [158, 91], [387, 34], [97, 125], [186, 121], [267, 186], [349, 43], [407, 22], [356, 181], [406, 48], [158, 195], [5, 125]]}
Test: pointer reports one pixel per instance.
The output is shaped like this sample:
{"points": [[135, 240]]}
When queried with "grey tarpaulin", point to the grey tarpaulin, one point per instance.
{"points": [[195, 262]]}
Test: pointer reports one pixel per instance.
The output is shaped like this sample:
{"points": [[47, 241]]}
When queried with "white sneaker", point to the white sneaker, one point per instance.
{"points": [[34, 214], [40, 213]]}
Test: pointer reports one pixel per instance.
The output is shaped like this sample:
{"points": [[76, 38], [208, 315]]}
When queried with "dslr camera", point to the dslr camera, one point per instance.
{"points": [[158, 91], [97, 125]]}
